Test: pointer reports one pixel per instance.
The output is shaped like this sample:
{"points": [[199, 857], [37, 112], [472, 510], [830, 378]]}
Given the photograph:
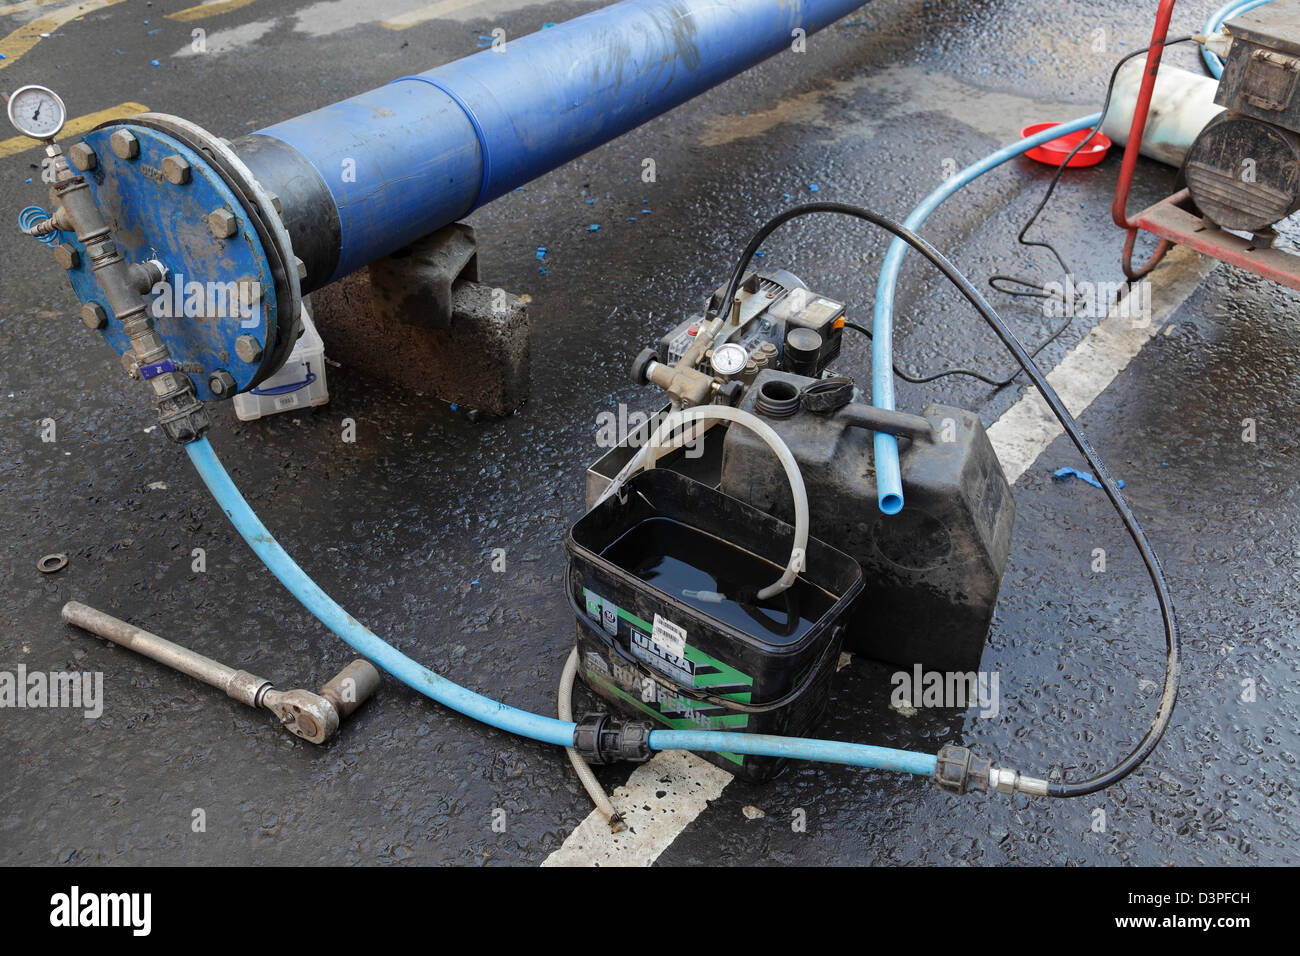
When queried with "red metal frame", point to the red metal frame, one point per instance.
{"points": [[1170, 219]]}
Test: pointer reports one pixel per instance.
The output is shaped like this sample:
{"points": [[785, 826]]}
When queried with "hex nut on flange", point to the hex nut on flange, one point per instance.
{"points": [[67, 256], [221, 383], [124, 144], [248, 349], [176, 169], [93, 316], [222, 223], [83, 157]]}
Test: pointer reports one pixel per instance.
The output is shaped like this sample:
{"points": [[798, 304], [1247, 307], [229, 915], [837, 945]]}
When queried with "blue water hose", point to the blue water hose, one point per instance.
{"points": [[889, 480], [359, 637], [494, 713], [29, 217], [1215, 24], [797, 748]]}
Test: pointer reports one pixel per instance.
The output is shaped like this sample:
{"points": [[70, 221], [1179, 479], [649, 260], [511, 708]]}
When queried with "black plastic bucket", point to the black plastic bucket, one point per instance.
{"points": [[687, 663]]}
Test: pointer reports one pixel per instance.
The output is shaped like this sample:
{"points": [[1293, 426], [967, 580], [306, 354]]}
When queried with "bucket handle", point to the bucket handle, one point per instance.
{"points": [[288, 387], [648, 455]]}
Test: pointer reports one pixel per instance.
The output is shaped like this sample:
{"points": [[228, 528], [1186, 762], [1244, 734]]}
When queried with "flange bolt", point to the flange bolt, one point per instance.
{"points": [[67, 256], [124, 144], [221, 383], [83, 157], [93, 316], [176, 169], [222, 223], [248, 349]]}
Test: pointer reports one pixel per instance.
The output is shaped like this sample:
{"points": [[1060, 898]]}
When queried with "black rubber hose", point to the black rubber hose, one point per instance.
{"points": [[1173, 665]]}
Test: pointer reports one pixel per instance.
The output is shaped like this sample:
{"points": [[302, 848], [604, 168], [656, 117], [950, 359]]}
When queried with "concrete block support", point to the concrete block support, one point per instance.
{"points": [[390, 321]]}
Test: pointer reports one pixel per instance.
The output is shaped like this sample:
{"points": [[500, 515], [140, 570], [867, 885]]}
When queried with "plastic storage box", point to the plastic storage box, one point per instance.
{"points": [[299, 384]]}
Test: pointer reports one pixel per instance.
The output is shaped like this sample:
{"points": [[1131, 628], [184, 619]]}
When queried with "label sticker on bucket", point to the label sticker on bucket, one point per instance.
{"points": [[669, 636], [676, 667]]}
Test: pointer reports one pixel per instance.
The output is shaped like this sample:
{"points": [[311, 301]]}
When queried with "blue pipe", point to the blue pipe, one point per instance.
{"points": [[1215, 24], [798, 748], [889, 480], [362, 639], [406, 159], [494, 713]]}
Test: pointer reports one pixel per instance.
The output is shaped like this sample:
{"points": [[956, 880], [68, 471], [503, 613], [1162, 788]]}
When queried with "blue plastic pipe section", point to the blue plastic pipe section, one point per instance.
{"points": [[494, 713], [406, 159], [1213, 25], [798, 748], [889, 479]]}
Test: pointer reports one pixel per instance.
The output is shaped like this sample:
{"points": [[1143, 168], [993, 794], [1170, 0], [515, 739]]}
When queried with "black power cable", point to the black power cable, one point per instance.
{"points": [[926, 379], [1028, 288], [1034, 289], [1160, 722]]}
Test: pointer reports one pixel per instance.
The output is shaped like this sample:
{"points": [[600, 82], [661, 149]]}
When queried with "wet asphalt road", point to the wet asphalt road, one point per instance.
{"points": [[400, 526]]}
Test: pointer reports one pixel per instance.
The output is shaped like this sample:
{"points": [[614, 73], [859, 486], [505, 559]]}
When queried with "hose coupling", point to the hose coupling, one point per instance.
{"points": [[957, 770], [601, 738], [181, 415], [1013, 781], [1217, 43], [47, 226]]}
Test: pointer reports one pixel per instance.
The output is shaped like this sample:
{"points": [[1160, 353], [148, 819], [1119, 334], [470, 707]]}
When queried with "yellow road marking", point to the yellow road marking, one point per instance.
{"points": [[208, 9], [434, 10], [75, 127], [28, 35], [12, 8]]}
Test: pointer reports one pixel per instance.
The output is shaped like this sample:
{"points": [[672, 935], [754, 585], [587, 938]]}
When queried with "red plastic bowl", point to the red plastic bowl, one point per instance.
{"points": [[1054, 151]]}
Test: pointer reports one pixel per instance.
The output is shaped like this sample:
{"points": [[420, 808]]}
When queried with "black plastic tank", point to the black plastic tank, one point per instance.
{"points": [[932, 572]]}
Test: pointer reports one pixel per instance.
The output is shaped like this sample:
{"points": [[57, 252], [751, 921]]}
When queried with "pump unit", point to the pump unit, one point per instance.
{"points": [[669, 627], [1243, 170]]}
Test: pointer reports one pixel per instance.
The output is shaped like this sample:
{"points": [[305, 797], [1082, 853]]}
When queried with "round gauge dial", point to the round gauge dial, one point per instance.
{"points": [[729, 359], [37, 112]]}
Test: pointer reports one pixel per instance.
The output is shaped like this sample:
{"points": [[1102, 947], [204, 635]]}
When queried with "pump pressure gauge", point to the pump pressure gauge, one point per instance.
{"points": [[37, 112], [729, 359]]}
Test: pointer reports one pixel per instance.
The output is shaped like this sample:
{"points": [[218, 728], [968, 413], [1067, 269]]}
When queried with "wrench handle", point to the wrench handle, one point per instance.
{"points": [[240, 685]]}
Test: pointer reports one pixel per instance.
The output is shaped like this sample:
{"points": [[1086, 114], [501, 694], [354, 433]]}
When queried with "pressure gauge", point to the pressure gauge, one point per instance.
{"points": [[729, 359], [37, 112]]}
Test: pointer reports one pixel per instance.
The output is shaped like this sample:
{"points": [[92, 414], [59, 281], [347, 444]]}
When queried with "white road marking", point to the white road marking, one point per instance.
{"points": [[1023, 433], [661, 797], [1028, 427]]}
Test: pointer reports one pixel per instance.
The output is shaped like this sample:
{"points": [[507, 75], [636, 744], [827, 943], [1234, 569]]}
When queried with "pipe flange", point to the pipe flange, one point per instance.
{"points": [[260, 206]]}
